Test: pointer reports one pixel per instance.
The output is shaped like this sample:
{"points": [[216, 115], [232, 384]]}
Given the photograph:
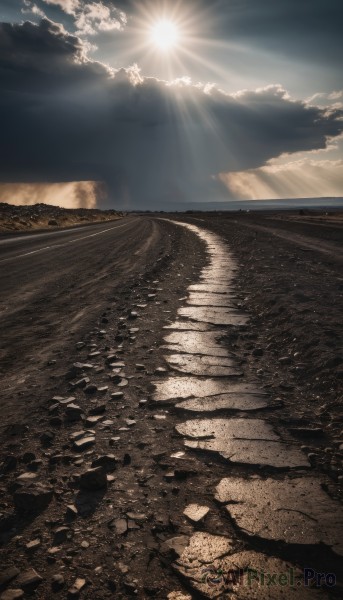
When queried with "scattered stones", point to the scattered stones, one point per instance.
{"points": [[196, 512]]}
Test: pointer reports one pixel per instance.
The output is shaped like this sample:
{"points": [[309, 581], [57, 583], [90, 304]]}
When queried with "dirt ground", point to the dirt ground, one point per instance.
{"points": [[43, 216], [116, 539]]}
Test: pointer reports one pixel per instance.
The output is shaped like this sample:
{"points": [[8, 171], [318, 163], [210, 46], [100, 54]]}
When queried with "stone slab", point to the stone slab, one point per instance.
{"points": [[205, 366], [216, 316], [238, 576], [190, 342], [295, 511], [242, 441], [178, 388], [198, 299], [231, 401], [190, 326]]}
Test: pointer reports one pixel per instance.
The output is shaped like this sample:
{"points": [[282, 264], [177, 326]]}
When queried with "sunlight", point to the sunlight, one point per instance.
{"points": [[165, 35]]}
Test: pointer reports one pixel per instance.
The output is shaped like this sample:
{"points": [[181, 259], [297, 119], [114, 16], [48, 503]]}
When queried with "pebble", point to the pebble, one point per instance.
{"points": [[84, 443], [29, 580], [61, 535], [57, 582], [76, 588], [195, 512], [33, 545], [12, 594]]}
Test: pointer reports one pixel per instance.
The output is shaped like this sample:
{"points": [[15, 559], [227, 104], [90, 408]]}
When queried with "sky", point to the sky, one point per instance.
{"points": [[141, 104]]}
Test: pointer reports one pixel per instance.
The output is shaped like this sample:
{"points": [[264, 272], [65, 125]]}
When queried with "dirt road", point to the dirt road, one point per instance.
{"points": [[157, 366]]}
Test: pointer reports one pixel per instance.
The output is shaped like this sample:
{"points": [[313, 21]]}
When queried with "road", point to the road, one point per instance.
{"points": [[194, 430], [53, 284]]}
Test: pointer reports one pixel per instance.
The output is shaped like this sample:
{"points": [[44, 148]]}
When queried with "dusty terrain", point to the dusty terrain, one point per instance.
{"points": [[81, 392], [45, 216]]}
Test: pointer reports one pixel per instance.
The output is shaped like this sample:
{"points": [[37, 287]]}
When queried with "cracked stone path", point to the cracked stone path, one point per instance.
{"points": [[277, 500]]}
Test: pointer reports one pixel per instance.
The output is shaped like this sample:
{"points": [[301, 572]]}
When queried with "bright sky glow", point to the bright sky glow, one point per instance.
{"points": [[165, 35]]}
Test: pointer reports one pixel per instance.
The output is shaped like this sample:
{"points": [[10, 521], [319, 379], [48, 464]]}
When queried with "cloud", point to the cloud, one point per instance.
{"points": [[92, 17], [74, 194], [66, 117], [68, 6], [33, 9], [296, 179]]}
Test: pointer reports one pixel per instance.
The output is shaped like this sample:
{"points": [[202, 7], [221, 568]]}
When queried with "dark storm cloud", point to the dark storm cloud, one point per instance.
{"points": [[64, 117]]}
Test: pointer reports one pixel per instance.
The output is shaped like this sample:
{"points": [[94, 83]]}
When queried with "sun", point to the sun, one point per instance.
{"points": [[165, 35]]}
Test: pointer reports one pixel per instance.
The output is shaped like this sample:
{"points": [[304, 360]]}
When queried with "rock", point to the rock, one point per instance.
{"points": [[61, 535], [29, 580], [27, 477], [84, 544], [73, 412], [12, 594], [120, 526], [91, 421], [7, 575], [57, 582], [107, 461], [285, 360], [195, 512], [133, 314], [126, 459], [33, 498], [175, 545], [160, 371], [117, 395], [84, 443], [94, 479], [47, 438], [76, 588], [90, 389], [178, 596], [71, 512], [99, 409], [123, 382], [33, 545], [294, 510], [80, 383], [130, 422], [257, 352]]}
